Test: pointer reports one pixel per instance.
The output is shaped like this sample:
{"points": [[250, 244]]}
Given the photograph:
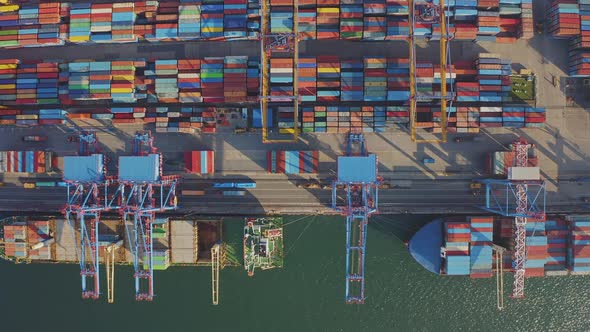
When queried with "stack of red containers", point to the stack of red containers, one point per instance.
{"points": [[199, 162], [465, 31], [563, 18], [235, 78], [212, 89]]}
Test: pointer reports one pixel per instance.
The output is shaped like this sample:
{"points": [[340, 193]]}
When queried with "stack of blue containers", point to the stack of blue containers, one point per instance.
{"points": [[235, 17], [489, 77], [351, 80], [379, 114], [212, 19], [458, 265], [79, 22], [579, 250], [481, 260]]}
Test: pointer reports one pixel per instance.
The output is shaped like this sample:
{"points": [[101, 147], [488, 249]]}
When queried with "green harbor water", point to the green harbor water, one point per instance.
{"points": [[306, 295]]}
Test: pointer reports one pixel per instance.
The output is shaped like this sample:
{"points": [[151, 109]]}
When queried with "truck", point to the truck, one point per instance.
{"points": [[475, 188], [34, 138], [192, 192], [471, 138], [29, 185], [234, 192], [243, 185], [428, 161], [45, 184]]}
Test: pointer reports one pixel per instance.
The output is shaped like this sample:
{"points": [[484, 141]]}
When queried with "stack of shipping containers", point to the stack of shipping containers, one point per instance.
{"points": [[235, 79], [189, 81], [375, 77], [563, 19], [161, 259], [536, 248], [457, 238], [199, 162], [38, 25], [292, 162], [578, 252], [481, 246], [212, 79], [38, 231], [15, 238], [557, 234], [25, 161]]}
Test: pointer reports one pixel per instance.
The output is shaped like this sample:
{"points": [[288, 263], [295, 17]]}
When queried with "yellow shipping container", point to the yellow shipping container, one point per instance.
{"points": [[328, 70], [8, 8], [8, 66], [76, 39], [121, 90], [29, 185], [220, 29], [128, 78], [328, 10], [7, 86]]}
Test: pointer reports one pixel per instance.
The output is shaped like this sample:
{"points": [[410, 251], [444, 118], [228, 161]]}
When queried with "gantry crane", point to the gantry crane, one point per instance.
{"points": [[423, 12], [357, 174], [285, 46], [522, 196], [143, 191], [87, 186]]}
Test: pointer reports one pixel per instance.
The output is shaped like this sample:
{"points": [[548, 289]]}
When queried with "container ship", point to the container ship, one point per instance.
{"points": [[462, 245], [54, 240]]}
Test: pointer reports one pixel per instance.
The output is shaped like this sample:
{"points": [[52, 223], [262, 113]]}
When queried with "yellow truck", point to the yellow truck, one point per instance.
{"points": [[29, 185]]}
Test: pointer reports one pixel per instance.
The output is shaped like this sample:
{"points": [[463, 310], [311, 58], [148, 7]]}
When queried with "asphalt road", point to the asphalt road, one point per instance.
{"points": [[284, 197]]}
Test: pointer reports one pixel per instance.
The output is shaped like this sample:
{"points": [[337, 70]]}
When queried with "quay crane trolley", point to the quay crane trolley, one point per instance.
{"points": [[142, 191], [87, 191], [357, 174], [423, 12], [522, 196], [275, 45]]}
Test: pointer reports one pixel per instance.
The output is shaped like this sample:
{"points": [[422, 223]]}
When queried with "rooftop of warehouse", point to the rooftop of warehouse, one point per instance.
{"points": [[84, 168], [357, 169]]}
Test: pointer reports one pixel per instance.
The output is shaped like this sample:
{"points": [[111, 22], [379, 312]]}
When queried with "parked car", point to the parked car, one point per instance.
{"points": [[34, 138]]}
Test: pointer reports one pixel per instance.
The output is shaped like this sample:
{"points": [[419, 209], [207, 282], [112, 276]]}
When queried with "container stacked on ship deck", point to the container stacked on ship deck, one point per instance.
{"points": [[15, 240], [457, 238], [578, 252], [212, 79], [292, 162], [38, 231], [482, 236], [536, 248], [557, 238]]}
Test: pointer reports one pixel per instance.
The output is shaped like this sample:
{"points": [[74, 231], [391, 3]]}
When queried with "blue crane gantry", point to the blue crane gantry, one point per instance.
{"points": [[522, 196], [143, 191], [357, 175], [87, 186]]}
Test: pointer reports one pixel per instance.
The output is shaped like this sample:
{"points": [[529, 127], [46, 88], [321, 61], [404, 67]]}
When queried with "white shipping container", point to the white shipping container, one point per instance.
{"points": [[524, 173], [490, 109]]}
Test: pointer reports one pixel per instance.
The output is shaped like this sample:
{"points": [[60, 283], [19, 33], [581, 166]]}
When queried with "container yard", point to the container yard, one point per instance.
{"points": [[196, 111]]}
